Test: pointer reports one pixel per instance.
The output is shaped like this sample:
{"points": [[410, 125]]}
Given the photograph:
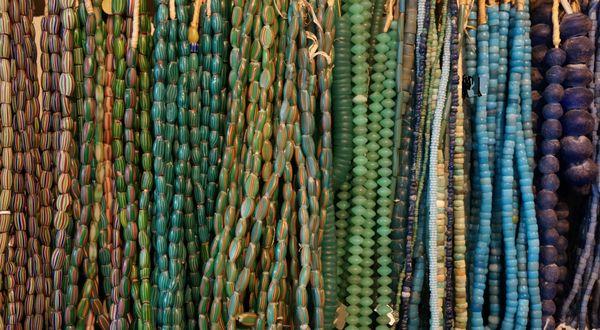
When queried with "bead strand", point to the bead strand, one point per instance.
{"points": [[64, 143], [24, 176], [47, 163], [143, 308], [361, 243], [87, 227], [160, 277]]}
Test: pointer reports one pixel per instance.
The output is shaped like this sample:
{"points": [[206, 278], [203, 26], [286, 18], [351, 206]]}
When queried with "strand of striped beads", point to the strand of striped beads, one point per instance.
{"points": [[327, 244], [201, 145], [36, 298], [118, 299], [360, 248], [192, 294], [24, 178], [108, 188], [174, 286], [94, 77], [86, 175], [160, 276], [264, 149], [282, 169], [255, 116], [6, 142], [64, 142], [46, 175], [143, 308], [381, 123], [129, 285], [219, 68], [225, 218]]}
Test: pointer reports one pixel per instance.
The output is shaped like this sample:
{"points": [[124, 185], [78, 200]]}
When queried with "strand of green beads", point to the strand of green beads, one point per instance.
{"points": [[6, 143], [383, 87], [192, 293], [64, 145], [195, 254], [342, 215], [309, 183], [118, 300], [159, 150], [218, 103], [360, 241], [341, 86], [256, 116], [182, 207], [35, 300], [324, 62], [173, 312], [46, 179], [278, 287], [145, 313], [129, 284], [87, 226], [76, 255], [24, 175], [268, 38], [225, 217], [441, 223], [98, 227], [108, 188], [203, 132]]}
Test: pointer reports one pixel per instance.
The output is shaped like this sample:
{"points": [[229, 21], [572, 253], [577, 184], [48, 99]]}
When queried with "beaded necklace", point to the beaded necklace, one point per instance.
{"points": [[6, 144], [361, 251], [160, 278], [64, 143], [46, 175], [26, 185], [143, 308], [87, 227]]}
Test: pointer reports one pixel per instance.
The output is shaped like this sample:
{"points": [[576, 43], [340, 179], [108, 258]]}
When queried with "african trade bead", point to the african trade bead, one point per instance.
{"points": [[342, 214], [360, 198], [192, 293], [22, 264], [87, 227], [64, 144], [6, 142], [161, 154], [402, 136], [481, 251], [143, 307], [119, 40], [46, 175], [342, 103], [382, 93]]}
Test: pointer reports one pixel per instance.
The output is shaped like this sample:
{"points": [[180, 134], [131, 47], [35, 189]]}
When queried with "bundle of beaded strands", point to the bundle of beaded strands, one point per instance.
{"points": [[302, 164]]}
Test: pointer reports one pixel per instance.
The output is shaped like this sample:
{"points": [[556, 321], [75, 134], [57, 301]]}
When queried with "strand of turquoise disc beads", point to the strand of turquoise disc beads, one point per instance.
{"points": [[358, 299], [381, 123]]}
